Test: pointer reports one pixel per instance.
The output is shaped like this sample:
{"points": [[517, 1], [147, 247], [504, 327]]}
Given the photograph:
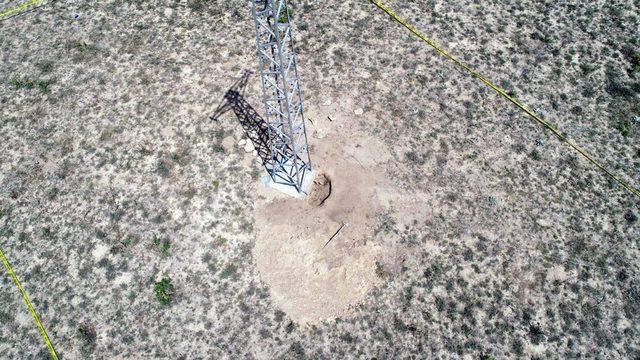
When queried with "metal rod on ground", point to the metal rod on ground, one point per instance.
{"points": [[334, 235]]}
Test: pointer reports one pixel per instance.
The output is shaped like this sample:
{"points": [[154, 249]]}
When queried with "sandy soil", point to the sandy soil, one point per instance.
{"points": [[310, 278]]}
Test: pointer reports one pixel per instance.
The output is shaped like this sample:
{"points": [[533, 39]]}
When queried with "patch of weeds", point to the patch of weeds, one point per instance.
{"points": [[53, 193], [22, 83], [44, 85], [216, 185], [624, 126], [221, 241], [587, 68], [634, 57], [219, 134], [198, 5], [285, 14], [47, 233], [80, 46], [229, 271], [163, 168], [45, 66], [217, 148], [541, 37], [414, 158], [164, 291], [87, 336], [536, 334], [255, 174], [162, 245], [297, 350], [128, 241], [387, 224], [3, 212], [535, 155], [380, 270]]}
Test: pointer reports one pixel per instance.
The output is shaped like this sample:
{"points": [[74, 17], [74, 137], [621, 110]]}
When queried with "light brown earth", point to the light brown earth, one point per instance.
{"points": [[310, 278]]}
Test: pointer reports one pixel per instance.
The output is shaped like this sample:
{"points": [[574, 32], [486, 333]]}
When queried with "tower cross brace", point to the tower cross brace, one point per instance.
{"points": [[289, 162]]}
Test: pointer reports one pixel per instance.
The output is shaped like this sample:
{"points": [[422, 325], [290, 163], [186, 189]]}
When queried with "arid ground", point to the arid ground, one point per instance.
{"points": [[140, 228]]}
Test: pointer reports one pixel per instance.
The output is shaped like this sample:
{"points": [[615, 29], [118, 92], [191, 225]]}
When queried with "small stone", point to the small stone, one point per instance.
{"points": [[331, 117], [327, 103], [321, 190], [359, 111], [255, 153], [543, 223], [242, 142], [168, 12], [248, 147]]}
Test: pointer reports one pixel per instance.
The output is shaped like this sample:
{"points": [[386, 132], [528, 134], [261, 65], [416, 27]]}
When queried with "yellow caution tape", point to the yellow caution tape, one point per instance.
{"points": [[17, 9], [25, 297], [504, 94]]}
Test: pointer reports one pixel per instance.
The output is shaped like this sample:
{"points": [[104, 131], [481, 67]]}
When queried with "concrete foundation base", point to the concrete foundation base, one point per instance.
{"points": [[288, 189]]}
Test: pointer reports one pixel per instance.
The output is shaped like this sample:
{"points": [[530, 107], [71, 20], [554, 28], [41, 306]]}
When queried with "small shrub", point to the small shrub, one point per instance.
{"points": [[197, 5], [43, 85], [163, 245], [285, 14], [217, 148], [414, 158], [19, 84], [229, 271], [45, 66], [636, 62], [88, 337], [535, 155], [164, 291], [128, 241], [81, 46], [624, 126]]}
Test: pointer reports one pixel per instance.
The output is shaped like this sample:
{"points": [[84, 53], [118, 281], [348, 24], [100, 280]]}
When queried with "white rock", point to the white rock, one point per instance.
{"points": [[359, 111], [255, 153], [242, 142], [248, 147], [168, 12], [327, 103]]}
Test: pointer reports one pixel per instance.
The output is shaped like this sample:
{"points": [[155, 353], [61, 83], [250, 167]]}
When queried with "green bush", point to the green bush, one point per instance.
{"points": [[164, 291]]}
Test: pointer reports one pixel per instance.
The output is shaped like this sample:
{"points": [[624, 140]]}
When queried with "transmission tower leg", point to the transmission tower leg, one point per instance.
{"points": [[289, 164]]}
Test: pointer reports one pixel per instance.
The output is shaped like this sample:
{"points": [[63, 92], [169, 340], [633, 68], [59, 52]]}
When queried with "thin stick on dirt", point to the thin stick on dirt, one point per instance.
{"points": [[334, 235]]}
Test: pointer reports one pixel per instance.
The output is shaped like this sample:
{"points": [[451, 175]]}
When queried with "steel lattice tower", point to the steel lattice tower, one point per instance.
{"points": [[289, 162]]}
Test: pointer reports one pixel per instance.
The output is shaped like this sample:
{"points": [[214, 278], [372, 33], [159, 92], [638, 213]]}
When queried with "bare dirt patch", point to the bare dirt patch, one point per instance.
{"points": [[310, 277]]}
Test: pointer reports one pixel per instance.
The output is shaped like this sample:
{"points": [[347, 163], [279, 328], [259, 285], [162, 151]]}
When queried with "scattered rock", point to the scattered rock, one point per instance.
{"points": [[543, 223], [242, 142], [331, 117], [320, 190], [248, 147], [168, 12], [255, 153], [327, 103], [359, 111]]}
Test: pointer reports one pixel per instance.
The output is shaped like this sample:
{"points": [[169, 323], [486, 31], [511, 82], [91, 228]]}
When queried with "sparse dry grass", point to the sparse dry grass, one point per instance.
{"points": [[520, 248]]}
